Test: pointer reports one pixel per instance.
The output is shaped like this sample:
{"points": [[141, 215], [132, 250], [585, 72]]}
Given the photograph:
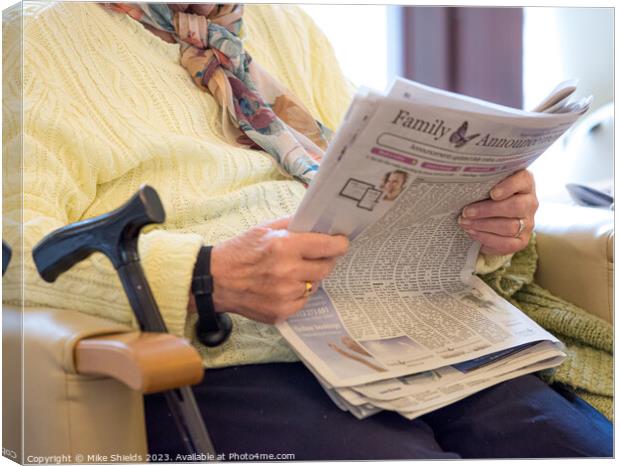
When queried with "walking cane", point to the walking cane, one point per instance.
{"points": [[115, 234], [6, 256]]}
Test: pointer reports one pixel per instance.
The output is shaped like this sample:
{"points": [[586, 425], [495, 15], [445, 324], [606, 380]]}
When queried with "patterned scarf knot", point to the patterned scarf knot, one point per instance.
{"points": [[258, 111]]}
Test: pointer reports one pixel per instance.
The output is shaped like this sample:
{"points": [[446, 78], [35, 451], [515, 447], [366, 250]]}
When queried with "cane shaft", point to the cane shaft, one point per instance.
{"points": [[188, 419], [181, 401], [141, 297]]}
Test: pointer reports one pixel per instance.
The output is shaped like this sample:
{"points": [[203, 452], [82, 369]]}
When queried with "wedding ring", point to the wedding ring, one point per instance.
{"points": [[308, 290], [521, 228]]}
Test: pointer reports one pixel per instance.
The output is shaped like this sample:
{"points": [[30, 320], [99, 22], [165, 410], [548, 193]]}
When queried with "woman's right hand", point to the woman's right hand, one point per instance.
{"points": [[262, 273]]}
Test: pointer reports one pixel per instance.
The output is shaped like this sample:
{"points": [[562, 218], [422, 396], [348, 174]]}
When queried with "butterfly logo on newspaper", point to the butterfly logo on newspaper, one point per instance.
{"points": [[459, 139]]}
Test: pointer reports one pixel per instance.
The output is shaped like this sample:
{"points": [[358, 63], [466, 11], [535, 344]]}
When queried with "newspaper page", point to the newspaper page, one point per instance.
{"points": [[391, 389], [405, 300], [414, 395]]}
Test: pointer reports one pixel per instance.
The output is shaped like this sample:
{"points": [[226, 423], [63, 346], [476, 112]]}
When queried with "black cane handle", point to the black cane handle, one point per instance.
{"points": [[6, 256], [114, 234]]}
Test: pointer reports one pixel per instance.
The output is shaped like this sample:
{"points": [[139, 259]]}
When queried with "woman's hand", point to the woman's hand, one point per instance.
{"points": [[262, 273], [495, 222]]}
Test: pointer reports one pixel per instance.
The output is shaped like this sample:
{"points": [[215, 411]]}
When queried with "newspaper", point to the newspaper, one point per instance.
{"points": [[403, 323]]}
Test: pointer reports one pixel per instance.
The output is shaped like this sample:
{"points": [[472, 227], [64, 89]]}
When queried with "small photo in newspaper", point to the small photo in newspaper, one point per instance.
{"points": [[393, 184], [370, 199], [355, 189]]}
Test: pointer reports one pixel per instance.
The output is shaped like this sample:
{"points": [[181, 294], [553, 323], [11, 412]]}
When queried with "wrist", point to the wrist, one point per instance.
{"points": [[218, 270]]}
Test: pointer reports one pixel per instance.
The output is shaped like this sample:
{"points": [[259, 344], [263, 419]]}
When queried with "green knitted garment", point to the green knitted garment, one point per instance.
{"points": [[588, 369]]}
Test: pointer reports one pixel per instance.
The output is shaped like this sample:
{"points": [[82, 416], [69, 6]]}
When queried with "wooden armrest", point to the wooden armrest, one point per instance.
{"points": [[146, 362]]}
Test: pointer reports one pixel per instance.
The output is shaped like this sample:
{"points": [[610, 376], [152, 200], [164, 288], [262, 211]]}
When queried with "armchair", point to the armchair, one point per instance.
{"points": [[576, 255], [83, 376], [82, 385]]}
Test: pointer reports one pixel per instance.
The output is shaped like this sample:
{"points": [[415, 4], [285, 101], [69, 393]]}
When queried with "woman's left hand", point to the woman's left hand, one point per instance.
{"points": [[504, 223]]}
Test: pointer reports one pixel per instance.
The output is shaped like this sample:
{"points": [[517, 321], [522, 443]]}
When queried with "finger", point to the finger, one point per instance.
{"points": [[308, 291], [294, 308], [517, 206], [521, 182], [499, 226], [319, 246], [279, 224], [298, 290], [314, 269], [282, 312], [500, 244], [491, 252]]}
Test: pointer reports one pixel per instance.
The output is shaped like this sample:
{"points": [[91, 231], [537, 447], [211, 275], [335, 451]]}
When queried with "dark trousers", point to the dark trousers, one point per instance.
{"points": [[281, 409]]}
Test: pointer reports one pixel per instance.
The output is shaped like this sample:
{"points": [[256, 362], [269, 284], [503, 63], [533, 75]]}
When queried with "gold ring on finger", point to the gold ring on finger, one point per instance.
{"points": [[308, 290], [521, 228]]}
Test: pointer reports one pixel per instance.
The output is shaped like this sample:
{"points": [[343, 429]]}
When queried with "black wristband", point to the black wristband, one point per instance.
{"points": [[202, 286], [211, 329]]}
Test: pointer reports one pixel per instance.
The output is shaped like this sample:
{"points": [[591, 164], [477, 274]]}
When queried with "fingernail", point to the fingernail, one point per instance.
{"points": [[496, 193], [470, 212], [464, 221]]}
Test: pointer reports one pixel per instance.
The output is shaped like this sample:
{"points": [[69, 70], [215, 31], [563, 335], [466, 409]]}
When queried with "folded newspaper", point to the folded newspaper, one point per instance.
{"points": [[403, 323]]}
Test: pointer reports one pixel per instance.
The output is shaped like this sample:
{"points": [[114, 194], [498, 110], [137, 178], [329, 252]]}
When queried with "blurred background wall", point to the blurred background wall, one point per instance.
{"points": [[512, 56]]}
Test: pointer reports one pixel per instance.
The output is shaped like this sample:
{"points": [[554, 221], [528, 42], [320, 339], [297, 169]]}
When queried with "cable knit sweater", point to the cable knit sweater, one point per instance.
{"points": [[106, 108]]}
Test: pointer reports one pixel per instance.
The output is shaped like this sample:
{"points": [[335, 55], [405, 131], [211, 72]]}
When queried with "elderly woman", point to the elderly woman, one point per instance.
{"points": [[229, 132]]}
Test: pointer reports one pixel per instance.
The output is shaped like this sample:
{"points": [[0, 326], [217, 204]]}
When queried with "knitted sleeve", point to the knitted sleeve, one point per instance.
{"points": [[64, 161], [488, 263]]}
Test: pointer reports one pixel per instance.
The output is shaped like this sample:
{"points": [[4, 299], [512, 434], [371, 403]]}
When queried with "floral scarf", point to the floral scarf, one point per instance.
{"points": [[259, 112]]}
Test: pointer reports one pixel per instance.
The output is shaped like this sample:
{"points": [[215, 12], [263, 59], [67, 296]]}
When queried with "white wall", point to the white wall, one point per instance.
{"points": [[587, 38], [358, 34], [562, 43], [559, 43]]}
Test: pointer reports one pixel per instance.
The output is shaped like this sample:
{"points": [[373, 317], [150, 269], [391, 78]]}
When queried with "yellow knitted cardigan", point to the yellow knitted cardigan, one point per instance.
{"points": [[106, 108]]}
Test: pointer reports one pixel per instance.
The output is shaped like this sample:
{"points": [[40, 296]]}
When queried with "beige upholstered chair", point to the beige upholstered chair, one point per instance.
{"points": [[576, 256], [83, 377], [82, 385]]}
